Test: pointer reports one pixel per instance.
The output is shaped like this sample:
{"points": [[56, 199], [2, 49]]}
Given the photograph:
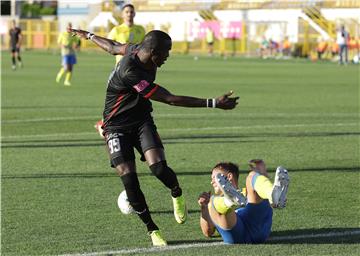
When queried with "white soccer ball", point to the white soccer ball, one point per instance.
{"points": [[356, 59], [123, 203]]}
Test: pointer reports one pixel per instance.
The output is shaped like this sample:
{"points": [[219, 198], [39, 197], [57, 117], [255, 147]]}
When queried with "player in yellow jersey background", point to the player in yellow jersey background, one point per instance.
{"points": [[127, 32], [68, 45]]}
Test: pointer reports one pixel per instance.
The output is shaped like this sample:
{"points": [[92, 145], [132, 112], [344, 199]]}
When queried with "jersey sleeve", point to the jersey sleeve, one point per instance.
{"points": [[145, 89], [139, 85]]}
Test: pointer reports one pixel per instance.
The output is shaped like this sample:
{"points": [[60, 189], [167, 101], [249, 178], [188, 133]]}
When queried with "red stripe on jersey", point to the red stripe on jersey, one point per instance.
{"points": [[151, 92], [115, 107]]}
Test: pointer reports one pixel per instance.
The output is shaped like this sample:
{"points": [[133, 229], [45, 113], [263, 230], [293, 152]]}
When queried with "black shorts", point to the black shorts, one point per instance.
{"points": [[15, 49], [121, 143]]}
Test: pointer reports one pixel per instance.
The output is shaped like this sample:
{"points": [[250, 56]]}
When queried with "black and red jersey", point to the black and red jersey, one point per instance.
{"points": [[129, 87], [14, 35]]}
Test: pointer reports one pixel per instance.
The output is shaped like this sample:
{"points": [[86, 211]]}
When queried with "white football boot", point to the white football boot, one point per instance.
{"points": [[280, 189], [229, 191]]}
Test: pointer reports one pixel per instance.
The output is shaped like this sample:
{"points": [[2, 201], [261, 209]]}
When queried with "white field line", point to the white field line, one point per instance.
{"points": [[210, 244], [187, 115], [279, 126]]}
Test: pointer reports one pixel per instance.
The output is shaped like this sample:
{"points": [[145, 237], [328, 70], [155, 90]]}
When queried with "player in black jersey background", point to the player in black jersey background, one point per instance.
{"points": [[15, 44], [128, 123]]}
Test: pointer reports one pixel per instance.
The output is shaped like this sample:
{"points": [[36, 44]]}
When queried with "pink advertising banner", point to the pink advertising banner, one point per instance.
{"points": [[232, 29]]}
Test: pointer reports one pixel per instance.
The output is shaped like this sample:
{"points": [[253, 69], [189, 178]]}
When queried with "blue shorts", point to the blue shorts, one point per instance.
{"points": [[253, 225], [69, 59]]}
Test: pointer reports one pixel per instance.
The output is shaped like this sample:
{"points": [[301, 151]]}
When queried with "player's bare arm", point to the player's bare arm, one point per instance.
{"points": [[207, 226], [111, 46], [222, 102]]}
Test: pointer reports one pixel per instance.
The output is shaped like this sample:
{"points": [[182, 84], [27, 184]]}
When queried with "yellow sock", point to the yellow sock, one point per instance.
{"points": [[68, 77], [60, 74], [263, 186], [218, 202]]}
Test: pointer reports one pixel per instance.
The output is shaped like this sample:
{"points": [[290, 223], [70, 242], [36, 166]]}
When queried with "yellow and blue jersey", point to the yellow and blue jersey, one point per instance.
{"points": [[125, 34], [68, 42], [253, 224]]}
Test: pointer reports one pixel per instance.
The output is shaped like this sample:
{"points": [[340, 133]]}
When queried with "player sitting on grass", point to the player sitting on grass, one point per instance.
{"points": [[251, 223]]}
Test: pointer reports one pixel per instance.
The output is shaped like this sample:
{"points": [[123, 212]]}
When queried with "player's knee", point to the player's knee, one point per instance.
{"points": [[167, 176], [159, 168], [123, 169], [122, 172]]}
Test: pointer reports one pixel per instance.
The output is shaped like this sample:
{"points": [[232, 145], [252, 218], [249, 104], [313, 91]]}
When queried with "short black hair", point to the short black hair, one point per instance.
{"points": [[127, 5], [228, 167], [155, 39]]}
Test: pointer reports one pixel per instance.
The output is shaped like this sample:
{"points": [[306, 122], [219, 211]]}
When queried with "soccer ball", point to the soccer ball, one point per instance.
{"points": [[123, 203], [356, 59]]}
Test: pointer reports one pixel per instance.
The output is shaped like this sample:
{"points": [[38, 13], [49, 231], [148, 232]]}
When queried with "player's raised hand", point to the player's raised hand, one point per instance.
{"points": [[78, 32], [204, 199], [227, 102]]}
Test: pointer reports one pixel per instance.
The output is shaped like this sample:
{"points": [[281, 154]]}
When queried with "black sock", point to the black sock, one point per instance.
{"points": [[167, 176], [137, 200], [176, 191], [19, 58], [13, 61]]}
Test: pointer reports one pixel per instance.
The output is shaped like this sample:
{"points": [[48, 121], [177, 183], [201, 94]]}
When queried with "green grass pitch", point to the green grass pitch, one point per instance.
{"points": [[58, 193]]}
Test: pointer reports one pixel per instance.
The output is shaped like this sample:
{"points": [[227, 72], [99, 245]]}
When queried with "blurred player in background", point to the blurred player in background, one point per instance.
{"points": [[15, 44], [210, 40], [222, 211], [321, 47], [128, 122], [264, 48], [286, 47], [342, 38], [127, 32], [68, 45]]}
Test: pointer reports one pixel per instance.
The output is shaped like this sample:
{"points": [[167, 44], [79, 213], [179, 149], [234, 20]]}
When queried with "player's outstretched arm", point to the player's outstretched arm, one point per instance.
{"points": [[111, 46], [223, 102]]}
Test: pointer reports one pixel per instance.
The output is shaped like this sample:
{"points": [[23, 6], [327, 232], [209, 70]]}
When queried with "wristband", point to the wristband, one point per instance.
{"points": [[89, 36], [211, 103]]}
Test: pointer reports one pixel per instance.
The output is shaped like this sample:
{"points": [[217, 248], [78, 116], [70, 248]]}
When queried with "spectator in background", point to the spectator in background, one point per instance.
{"points": [[342, 38], [352, 47], [274, 47], [286, 47], [321, 47], [15, 44], [264, 47], [334, 47]]}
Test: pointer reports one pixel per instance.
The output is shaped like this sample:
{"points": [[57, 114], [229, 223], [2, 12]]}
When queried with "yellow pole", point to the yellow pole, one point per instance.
{"points": [[47, 34], [29, 33], [305, 49], [243, 38]]}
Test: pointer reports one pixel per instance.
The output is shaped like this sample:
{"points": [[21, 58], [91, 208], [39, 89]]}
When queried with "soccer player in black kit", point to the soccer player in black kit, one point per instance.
{"points": [[15, 43], [128, 123]]}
